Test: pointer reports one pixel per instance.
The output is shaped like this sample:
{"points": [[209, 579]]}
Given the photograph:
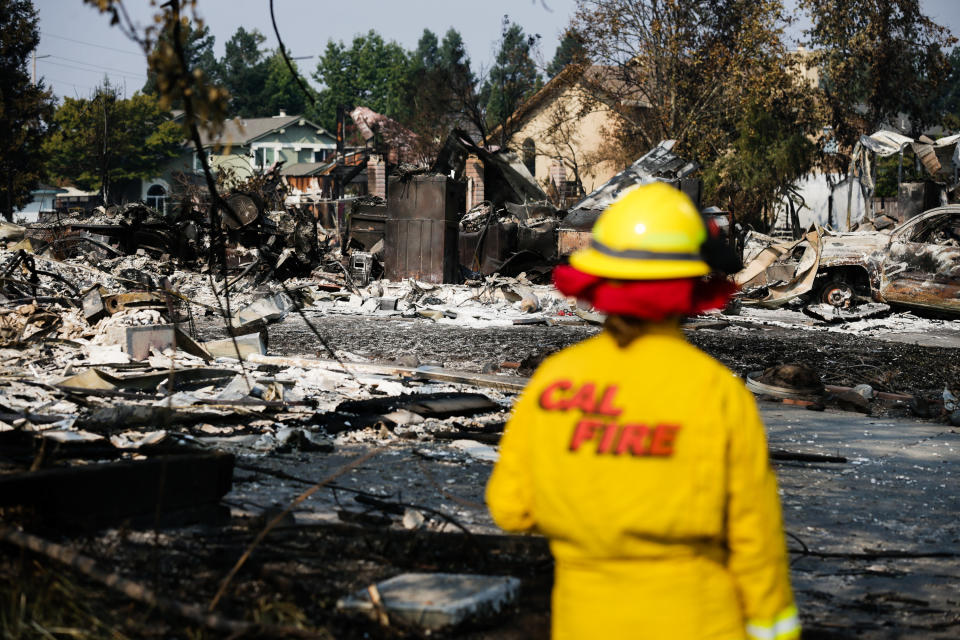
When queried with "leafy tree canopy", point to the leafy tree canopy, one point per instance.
{"points": [[453, 53], [877, 59], [713, 75], [244, 69], [370, 72], [427, 54], [197, 46], [25, 108], [513, 77], [104, 142], [948, 102], [442, 91], [281, 91], [569, 50]]}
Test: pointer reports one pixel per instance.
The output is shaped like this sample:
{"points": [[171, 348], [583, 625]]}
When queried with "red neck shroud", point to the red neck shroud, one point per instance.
{"points": [[653, 300]]}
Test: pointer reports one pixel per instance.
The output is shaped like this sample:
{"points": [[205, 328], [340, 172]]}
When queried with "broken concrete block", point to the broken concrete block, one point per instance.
{"points": [[251, 343], [477, 450], [432, 601], [530, 303], [106, 354], [93, 307], [268, 309], [403, 418], [430, 314], [138, 341], [238, 388], [412, 519], [865, 390]]}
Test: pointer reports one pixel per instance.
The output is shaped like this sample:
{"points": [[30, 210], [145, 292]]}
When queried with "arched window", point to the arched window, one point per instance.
{"points": [[530, 156], [157, 197]]}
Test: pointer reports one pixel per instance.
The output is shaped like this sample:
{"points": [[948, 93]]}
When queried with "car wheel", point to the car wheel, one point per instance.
{"points": [[836, 293]]}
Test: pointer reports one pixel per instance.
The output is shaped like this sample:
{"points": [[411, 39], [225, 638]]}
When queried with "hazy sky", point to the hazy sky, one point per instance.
{"points": [[83, 48]]}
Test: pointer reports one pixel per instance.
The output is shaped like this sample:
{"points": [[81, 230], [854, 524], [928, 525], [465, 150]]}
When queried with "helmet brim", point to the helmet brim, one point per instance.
{"points": [[599, 264]]}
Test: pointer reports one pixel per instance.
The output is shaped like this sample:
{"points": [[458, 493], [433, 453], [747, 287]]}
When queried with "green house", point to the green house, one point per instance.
{"points": [[246, 146]]}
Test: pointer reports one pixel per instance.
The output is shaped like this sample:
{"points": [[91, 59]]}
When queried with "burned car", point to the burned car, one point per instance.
{"points": [[916, 265]]}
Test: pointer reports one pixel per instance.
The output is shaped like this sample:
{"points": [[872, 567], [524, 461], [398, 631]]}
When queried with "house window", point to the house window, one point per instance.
{"points": [[321, 155], [198, 166], [530, 156], [263, 157], [157, 197]]}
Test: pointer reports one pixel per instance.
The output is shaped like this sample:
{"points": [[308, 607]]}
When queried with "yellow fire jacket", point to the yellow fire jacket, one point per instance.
{"points": [[647, 469]]}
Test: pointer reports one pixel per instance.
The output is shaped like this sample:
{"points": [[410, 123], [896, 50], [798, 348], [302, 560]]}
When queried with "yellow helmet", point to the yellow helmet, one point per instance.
{"points": [[654, 232]]}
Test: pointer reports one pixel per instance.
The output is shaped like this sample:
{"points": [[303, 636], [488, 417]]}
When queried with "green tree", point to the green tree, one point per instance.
{"points": [[948, 101], [198, 47], [513, 77], [714, 75], [452, 54], [430, 96], [427, 55], [569, 50], [878, 59], [104, 142], [280, 90], [442, 91], [25, 108], [468, 103], [370, 73], [763, 159], [244, 69]]}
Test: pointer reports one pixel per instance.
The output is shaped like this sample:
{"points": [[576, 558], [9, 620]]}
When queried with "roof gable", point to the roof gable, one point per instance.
{"points": [[597, 80], [239, 132]]}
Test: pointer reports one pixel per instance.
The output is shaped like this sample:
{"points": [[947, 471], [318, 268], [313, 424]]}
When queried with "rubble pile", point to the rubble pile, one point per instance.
{"points": [[157, 372]]}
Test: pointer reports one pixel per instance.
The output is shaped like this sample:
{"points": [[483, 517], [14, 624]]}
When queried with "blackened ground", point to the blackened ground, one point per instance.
{"points": [[294, 579], [386, 339], [841, 359]]}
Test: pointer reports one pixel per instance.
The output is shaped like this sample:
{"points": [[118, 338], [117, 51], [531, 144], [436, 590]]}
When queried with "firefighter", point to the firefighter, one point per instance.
{"points": [[642, 459]]}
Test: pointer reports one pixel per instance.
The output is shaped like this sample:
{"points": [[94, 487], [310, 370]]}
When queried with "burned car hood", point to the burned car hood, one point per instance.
{"points": [[852, 246]]}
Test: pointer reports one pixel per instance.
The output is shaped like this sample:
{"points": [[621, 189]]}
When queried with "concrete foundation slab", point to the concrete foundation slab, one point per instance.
{"points": [[140, 340], [436, 600], [227, 348]]}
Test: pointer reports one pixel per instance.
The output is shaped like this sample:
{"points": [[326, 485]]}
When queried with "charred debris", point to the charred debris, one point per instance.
{"points": [[138, 387]]}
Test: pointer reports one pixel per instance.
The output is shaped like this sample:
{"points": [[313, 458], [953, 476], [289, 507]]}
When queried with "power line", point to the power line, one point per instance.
{"points": [[98, 69], [91, 44], [97, 66]]}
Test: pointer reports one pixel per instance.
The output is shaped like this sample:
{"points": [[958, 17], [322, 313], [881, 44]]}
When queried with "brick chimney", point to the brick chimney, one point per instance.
{"points": [[475, 190], [377, 176]]}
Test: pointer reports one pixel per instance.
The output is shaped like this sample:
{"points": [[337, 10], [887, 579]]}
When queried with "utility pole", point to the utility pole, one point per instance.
{"points": [[35, 58], [105, 171]]}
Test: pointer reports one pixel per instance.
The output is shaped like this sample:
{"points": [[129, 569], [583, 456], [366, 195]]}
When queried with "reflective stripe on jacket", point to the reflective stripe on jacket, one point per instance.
{"points": [[647, 469]]}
